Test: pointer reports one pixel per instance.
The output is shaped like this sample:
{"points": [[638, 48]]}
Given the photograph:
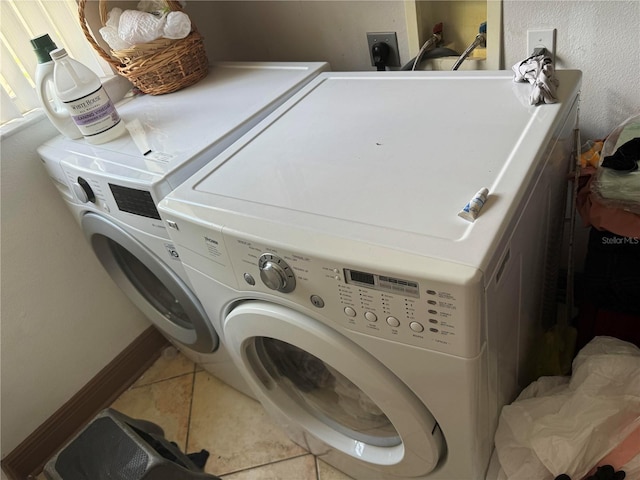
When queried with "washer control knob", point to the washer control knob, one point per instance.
{"points": [[276, 273], [83, 191]]}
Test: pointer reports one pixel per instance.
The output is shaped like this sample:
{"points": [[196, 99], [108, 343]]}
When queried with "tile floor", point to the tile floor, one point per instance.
{"points": [[197, 411]]}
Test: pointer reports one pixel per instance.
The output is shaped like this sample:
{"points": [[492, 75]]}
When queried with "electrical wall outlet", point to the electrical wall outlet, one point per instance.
{"points": [[542, 38], [390, 39]]}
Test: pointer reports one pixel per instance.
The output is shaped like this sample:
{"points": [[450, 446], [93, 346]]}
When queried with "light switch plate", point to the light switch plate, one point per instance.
{"points": [[542, 38]]}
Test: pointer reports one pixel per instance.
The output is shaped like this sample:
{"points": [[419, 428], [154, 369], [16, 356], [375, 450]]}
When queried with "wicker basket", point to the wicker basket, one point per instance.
{"points": [[158, 67]]}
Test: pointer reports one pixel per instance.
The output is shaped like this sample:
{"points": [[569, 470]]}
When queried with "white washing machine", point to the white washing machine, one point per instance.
{"points": [[383, 331], [113, 189]]}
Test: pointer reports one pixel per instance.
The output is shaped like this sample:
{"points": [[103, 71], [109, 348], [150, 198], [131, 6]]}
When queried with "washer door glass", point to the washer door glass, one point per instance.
{"points": [[149, 285], [326, 393], [152, 285], [318, 383]]}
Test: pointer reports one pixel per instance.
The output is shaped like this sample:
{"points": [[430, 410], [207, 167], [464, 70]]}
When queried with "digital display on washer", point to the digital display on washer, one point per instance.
{"points": [[361, 277], [382, 282]]}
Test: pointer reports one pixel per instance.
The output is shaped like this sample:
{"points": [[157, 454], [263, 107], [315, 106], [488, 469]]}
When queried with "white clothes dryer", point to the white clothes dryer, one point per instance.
{"points": [[113, 189], [383, 331]]}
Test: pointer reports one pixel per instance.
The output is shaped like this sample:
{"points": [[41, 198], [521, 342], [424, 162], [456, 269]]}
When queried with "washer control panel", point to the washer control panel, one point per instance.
{"points": [[382, 282], [401, 308]]}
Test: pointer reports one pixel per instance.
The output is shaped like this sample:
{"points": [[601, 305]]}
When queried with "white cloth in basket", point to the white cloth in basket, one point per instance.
{"points": [[124, 29]]}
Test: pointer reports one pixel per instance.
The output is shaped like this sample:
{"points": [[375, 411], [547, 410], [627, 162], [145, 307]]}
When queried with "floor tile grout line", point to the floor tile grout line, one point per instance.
{"points": [[233, 472], [135, 387], [315, 462], [193, 388]]}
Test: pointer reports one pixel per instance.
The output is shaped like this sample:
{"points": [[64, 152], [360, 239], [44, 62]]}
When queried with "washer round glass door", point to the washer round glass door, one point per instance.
{"points": [[151, 284], [309, 376]]}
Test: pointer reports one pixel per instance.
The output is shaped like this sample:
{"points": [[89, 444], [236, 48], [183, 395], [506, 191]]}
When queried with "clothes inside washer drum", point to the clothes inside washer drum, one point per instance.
{"points": [[305, 371], [327, 394]]}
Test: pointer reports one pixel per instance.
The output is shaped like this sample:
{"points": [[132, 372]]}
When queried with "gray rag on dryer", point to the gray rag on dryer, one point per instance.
{"points": [[538, 70]]}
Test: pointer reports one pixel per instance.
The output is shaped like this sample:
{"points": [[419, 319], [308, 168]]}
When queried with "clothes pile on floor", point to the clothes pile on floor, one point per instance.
{"points": [[586, 426]]}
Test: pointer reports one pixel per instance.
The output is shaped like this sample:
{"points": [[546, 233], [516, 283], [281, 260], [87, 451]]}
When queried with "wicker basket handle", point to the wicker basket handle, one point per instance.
{"points": [[173, 5]]}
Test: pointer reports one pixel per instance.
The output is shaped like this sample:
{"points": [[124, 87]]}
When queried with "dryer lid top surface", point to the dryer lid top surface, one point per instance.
{"points": [[401, 152], [188, 128]]}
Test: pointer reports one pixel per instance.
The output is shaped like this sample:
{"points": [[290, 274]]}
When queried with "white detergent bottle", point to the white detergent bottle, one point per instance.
{"points": [[53, 108], [83, 95]]}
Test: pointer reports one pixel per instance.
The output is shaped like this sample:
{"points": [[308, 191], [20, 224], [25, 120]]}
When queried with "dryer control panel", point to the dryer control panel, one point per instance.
{"points": [[401, 308], [98, 192]]}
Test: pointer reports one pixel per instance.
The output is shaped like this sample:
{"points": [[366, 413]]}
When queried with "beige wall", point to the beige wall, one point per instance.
{"points": [[600, 38], [62, 318], [333, 31]]}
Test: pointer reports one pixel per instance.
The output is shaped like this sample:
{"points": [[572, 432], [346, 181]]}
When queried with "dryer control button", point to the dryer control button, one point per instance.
{"points": [[370, 316], [393, 321], [83, 191], [349, 312], [416, 327], [249, 279], [317, 301]]}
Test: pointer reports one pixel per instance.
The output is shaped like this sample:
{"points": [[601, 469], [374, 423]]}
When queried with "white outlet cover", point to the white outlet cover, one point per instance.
{"points": [[541, 38]]}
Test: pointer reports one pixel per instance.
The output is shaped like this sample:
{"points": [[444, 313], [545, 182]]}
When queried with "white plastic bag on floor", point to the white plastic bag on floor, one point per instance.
{"points": [[567, 425]]}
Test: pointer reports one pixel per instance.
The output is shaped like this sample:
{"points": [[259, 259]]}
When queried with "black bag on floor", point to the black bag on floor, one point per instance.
{"points": [[116, 447]]}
